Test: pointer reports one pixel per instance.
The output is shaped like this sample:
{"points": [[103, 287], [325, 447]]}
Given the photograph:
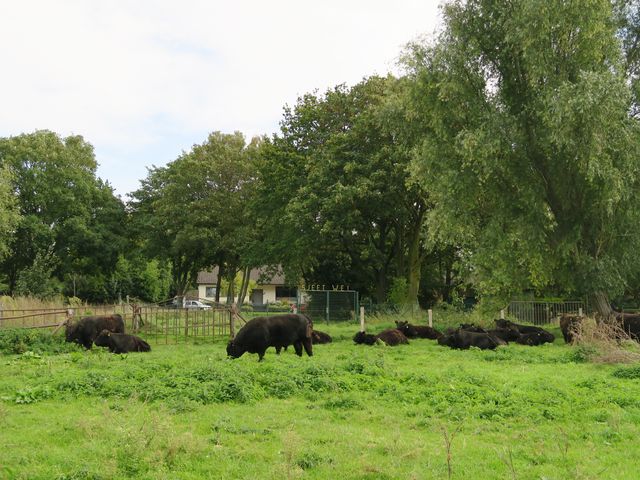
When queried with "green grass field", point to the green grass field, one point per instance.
{"points": [[349, 412]]}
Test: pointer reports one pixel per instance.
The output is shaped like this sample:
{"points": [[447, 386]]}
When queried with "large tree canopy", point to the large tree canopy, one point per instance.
{"points": [[70, 224], [335, 181], [192, 212], [528, 147]]}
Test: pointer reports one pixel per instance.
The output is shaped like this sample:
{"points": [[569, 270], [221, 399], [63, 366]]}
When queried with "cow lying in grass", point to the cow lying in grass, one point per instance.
{"points": [[121, 342], [418, 331], [543, 336], [277, 331], [87, 329], [464, 339], [390, 337], [320, 337]]}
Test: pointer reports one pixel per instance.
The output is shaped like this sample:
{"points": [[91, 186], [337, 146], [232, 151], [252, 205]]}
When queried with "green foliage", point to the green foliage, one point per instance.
{"points": [[192, 212], [398, 291], [20, 340], [335, 190], [632, 372], [9, 213], [70, 222], [527, 146]]}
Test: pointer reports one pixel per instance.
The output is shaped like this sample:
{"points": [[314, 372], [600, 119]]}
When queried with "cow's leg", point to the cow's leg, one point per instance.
{"points": [[261, 355], [278, 348], [298, 346], [307, 346]]}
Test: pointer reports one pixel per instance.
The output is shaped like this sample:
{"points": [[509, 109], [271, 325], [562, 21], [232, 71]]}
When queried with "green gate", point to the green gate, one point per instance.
{"points": [[329, 305]]}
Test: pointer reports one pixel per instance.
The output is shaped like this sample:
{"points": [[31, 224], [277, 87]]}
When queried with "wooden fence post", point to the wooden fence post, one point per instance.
{"points": [[232, 321], [502, 314], [580, 311], [362, 319], [430, 313]]}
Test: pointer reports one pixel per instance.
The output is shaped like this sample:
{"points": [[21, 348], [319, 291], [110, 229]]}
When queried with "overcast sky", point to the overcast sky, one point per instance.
{"points": [[143, 81]]}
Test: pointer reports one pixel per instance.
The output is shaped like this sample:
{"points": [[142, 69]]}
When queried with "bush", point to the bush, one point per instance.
{"points": [[20, 340]]}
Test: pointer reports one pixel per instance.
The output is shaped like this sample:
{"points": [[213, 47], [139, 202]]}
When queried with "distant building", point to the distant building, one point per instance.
{"points": [[268, 289]]}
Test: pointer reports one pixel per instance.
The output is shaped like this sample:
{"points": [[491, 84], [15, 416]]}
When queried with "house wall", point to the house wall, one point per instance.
{"points": [[268, 293]]}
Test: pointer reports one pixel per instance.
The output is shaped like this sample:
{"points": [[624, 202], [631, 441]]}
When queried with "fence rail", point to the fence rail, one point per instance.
{"points": [[154, 323]]}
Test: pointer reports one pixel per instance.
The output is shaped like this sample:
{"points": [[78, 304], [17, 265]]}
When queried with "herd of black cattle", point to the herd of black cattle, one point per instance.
{"points": [[280, 331]]}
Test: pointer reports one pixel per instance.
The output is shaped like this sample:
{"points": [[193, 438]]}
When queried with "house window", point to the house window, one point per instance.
{"points": [[286, 292], [210, 292]]}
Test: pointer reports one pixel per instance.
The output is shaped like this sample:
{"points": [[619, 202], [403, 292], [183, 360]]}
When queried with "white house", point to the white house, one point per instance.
{"points": [[268, 289]]}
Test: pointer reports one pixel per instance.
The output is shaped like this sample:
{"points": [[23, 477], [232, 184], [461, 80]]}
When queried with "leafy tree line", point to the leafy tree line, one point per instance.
{"points": [[504, 160]]}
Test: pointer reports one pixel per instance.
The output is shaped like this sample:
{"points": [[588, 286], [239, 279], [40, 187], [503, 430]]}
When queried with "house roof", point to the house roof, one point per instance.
{"points": [[210, 277]]}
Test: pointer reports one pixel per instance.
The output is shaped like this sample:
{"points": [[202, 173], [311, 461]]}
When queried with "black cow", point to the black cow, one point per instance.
{"points": [[85, 330], [524, 329], [464, 339], [121, 342], [472, 327], [505, 334], [535, 338], [320, 337], [630, 323], [277, 331], [569, 324], [417, 331], [391, 337]]}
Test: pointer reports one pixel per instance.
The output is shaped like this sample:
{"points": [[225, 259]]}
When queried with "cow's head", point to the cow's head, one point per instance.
{"points": [[102, 340], [234, 350], [70, 331]]}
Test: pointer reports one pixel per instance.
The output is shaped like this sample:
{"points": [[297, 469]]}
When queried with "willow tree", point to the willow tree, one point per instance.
{"points": [[529, 147]]}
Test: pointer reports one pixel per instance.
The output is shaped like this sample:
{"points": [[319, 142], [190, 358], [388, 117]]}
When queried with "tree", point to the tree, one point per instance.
{"points": [[70, 222], [335, 185], [9, 214], [527, 144], [192, 212]]}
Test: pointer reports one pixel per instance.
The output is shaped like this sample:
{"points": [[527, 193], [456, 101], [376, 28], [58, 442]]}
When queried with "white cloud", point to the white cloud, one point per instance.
{"points": [[144, 80]]}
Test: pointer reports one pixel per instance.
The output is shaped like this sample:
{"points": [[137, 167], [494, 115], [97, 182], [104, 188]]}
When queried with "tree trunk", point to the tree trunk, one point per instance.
{"points": [[414, 262], [244, 286], [219, 281], [602, 304], [231, 291]]}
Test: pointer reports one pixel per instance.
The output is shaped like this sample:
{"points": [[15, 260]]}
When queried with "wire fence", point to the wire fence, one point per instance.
{"points": [[155, 323], [541, 313]]}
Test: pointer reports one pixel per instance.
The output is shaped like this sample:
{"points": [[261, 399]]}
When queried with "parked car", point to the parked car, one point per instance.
{"points": [[196, 305]]}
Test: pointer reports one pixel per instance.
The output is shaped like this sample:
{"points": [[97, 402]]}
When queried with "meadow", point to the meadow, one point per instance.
{"points": [[418, 411]]}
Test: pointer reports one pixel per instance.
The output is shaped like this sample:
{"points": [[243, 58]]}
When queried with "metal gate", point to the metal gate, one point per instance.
{"points": [[329, 305], [540, 312]]}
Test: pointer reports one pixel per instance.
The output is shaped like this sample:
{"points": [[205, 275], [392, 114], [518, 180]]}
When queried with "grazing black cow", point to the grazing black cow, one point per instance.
{"points": [[320, 337], [546, 336], [464, 339], [85, 330], [277, 331], [568, 324], [391, 337], [417, 331], [121, 342]]}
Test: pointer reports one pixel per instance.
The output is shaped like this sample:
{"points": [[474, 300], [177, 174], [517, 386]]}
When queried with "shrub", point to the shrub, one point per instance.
{"points": [[21, 340]]}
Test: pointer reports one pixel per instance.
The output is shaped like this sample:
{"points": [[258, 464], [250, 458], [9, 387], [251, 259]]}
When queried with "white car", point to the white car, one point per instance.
{"points": [[196, 305]]}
